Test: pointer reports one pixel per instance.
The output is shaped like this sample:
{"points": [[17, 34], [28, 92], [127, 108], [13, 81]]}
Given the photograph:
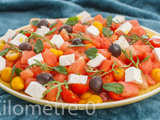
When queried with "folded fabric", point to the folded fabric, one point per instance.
{"points": [[17, 13]]}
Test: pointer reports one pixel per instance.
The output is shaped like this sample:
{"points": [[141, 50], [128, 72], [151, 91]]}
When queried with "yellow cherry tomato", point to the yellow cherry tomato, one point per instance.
{"points": [[82, 102], [155, 74], [12, 55], [17, 83], [6, 74], [85, 95], [56, 52], [1, 46], [120, 76], [94, 99], [98, 25]]}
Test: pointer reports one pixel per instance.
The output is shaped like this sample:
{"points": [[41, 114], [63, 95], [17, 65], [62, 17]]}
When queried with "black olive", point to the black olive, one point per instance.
{"points": [[95, 84], [44, 78], [67, 27], [77, 41], [115, 49], [25, 46], [42, 22]]}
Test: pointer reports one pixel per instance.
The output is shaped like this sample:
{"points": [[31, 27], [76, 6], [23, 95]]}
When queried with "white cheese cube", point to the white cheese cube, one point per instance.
{"points": [[122, 42], [156, 53], [66, 60], [96, 62], [35, 90], [36, 57], [119, 19], [20, 38], [156, 36], [43, 30], [84, 16], [2, 63], [92, 30], [124, 29], [81, 79], [57, 40], [9, 34], [133, 74]]}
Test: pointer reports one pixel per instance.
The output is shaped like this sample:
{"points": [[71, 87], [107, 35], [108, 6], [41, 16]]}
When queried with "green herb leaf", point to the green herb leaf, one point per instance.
{"points": [[38, 46], [107, 32], [61, 69], [52, 31], [34, 22], [13, 71], [53, 24], [144, 40], [145, 59], [114, 87], [109, 21], [13, 47], [18, 71], [79, 45], [91, 53], [22, 32], [134, 38], [5, 51], [54, 84], [72, 20]]}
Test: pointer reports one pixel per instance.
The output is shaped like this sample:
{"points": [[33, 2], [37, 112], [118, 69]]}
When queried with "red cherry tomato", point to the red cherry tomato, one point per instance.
{"points": [[68, 96], [155, 42], [79, 88], [115, 96], [27, 34]]}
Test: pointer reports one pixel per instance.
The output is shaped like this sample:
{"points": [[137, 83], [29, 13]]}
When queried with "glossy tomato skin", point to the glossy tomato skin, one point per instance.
{"points": [[79, 88], [68, 96], [155, 42], [115, 96]]}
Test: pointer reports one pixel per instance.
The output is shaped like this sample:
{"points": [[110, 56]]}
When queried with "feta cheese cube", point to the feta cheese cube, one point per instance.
{"points": [[9, 34], [35, 90], [119, 19], [156, 36], [156, 53], [124, 29], [20, 38], [84, 16], [36, 57], [43, 30], [81, 79], [66, 60], [133, 74], [96, 62], [122, 42], [2, 63], [57, 40], [92, 30]]}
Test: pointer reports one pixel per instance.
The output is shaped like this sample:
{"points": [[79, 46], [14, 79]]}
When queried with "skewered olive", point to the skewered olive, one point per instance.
{"points": [[115, 49], [67, 27], [77, 41], [25, 46], [42, 22], [44, 78], [95, 84]]}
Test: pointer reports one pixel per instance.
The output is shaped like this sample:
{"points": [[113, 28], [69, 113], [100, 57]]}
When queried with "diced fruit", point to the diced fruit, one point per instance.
{"points": [[146, 66], [51, 96], [6, 74], [138, 31], [26, 55], [64, 34], [77, 28], [46, 45], [105, 53], [49, 58], [26, 74], [28, 81], [150, 80], [20, 65], [60, 77], [106, 65], [144, 84]]}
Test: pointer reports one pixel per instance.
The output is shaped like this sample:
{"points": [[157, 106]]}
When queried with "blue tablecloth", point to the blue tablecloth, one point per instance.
{"points": [[17, 13]]}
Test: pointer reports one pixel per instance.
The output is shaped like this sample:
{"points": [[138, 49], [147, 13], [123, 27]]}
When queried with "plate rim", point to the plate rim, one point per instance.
{"points": [[81, 106]]}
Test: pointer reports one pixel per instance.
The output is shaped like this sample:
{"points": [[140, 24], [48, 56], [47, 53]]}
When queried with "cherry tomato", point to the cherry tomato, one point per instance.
{"points": [[85, 95], [27, 34], [120, 75], [79, 88], [115, 96], [155, 42], [12, 55], [68, 96], [98, 25], [95, 99], [155, 74]]}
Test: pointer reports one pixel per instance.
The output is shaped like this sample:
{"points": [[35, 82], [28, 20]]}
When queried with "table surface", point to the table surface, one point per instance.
{"points": [[17, 13]]}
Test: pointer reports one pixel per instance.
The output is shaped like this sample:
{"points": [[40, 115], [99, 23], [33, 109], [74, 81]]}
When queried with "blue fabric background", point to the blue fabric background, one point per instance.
{"points": [[17, 13]]}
